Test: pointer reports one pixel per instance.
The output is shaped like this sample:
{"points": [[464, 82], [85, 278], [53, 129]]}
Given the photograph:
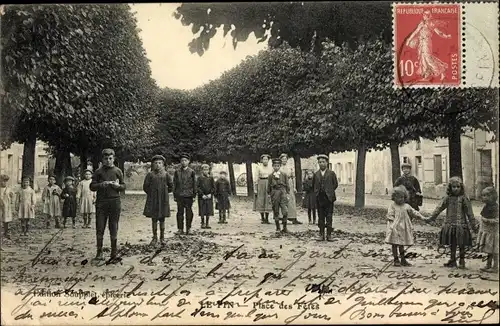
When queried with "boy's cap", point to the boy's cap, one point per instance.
{"points": [[406, 165], [4, 177], [323, 156], [277, 161], [184, 155], [265, 155], [107, 152], [87, 170], [158, 158], [69, 178], [205, 166], [222, 172]]}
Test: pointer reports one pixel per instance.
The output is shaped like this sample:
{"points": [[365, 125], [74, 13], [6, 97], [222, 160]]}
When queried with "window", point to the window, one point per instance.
{"points": [[438, 170], [418, 167], [349, 172], [418, 145], [406, 159], [338, 172]]}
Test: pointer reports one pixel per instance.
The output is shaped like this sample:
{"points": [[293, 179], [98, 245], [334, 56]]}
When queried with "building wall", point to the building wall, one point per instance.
{"points": [[11, 163], [430, 164]]}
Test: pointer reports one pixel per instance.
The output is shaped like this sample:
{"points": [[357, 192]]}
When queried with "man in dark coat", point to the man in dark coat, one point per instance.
{"points": [[324, 185], [412, 186], [184, 194]]}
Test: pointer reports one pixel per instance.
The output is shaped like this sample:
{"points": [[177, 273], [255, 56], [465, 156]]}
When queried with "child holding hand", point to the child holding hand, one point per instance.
{"points": [[488, 234], [399, 226], [458, 223]]}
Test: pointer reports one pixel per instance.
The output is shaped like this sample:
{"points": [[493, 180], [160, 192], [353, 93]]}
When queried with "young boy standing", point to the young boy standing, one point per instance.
{"points": [[157, 185], [279, 189], [206, 189], [108, 182], [222, 193], [6, 201], [324, 185], [184, 194]]}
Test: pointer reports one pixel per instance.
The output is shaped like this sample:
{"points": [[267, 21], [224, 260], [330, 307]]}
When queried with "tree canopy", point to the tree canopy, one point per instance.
{"points": [[76, 75], [303, 25]]}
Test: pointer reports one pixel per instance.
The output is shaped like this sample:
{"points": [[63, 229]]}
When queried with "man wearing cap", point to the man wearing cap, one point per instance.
{"points": [[108, 182], [279, 189], [184, 194], [412, 186], [157, 184], [324, 185]]}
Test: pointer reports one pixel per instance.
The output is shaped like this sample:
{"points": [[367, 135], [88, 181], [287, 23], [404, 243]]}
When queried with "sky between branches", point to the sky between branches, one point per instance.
{"points": [[166, 43]]}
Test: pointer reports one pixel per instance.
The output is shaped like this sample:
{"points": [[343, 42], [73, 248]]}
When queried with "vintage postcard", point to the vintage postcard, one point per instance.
{"points": [[249, 163]]}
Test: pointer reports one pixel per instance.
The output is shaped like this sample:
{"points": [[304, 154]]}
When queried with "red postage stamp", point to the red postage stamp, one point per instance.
{"points": [[427, 45]]}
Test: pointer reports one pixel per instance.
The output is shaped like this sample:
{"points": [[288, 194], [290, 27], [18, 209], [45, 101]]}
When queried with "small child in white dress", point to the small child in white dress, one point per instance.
{"points": [[51, 198], [399, 226], [25, 204], [86, 198], [6, 200]]}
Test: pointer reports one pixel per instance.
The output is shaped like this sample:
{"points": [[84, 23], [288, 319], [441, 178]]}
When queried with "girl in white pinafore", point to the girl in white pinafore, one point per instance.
{"points": [[399, 226], [86, 198], [25, 203]]}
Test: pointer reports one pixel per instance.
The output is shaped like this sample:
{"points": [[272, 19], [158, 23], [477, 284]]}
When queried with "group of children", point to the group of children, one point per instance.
{"points": [[57, 203], [457, 227], [186, 187], [99, 193]]}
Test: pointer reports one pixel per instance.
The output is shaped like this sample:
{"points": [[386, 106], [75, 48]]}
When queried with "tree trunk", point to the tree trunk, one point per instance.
{"points": [[121, 164], [29, 159], [250, 190], [62, 167], [95, 161], [83, 162], [298, 173], [232, 179], [395, 161], [359, 193], [455, 153]]}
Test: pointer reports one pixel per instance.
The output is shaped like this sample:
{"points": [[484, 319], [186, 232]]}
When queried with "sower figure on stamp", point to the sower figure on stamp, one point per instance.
{"points": [[412, 186], [279, 189], [184, 194], [108, 182], [324, 184], [157, 184]]}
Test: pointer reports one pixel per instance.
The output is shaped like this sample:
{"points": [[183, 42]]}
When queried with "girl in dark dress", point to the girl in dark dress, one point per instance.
{"points": [[206, 189], [69, 196], [222, 193], [458, 223], [157, 184], [309, 200], [412, 186]]}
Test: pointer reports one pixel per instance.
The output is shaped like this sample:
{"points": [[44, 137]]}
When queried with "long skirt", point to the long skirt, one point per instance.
{"points": [[452, 234], [262, 202], [292, 203], [205, 207], [309, 200]]}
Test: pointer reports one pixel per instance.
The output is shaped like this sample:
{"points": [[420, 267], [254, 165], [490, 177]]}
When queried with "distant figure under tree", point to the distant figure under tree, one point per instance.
{"points": [[412, 186]]}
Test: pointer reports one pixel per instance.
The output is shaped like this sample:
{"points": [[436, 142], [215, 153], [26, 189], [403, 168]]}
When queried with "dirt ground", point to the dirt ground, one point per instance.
{"points": [[268, 278]]}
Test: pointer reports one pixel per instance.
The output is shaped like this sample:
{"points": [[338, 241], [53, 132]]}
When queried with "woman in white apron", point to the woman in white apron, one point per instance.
{"points": [[262, 203], [292, 205]]}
